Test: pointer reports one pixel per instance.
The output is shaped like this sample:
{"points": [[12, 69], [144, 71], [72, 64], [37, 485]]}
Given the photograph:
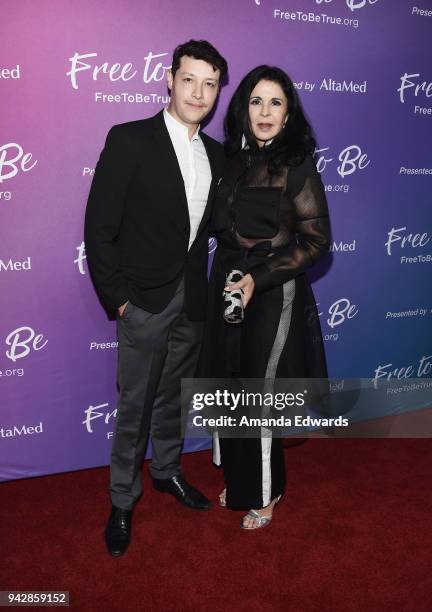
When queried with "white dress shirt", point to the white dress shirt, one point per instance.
{"points": [[195, 168]]}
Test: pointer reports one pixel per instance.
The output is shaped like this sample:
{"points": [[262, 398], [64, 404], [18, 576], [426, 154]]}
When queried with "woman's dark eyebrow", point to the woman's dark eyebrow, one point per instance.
{"points": [[259, 97]]}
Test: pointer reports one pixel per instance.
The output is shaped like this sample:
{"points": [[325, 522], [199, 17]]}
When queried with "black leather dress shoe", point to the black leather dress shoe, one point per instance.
{"points": [[118, 531], [183, 492]]}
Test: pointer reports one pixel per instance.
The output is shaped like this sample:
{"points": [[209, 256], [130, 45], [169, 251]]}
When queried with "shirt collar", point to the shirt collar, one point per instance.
{"points": [[246, 146], [173, 124]]}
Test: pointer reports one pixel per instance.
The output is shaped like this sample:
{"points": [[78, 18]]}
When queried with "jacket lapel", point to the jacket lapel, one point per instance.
{"points": [[165, 150]]}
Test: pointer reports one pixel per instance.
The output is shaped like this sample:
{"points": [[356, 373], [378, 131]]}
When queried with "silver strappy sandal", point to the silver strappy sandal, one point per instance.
{"points": [[260, 521], [222, 499]]}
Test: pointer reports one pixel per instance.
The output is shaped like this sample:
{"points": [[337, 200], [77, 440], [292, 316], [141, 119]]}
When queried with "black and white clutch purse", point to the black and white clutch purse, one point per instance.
{"points": [[233, 300]]}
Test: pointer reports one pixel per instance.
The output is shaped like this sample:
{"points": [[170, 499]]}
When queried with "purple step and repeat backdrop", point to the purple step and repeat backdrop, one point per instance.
{"points": [[70, 69]]}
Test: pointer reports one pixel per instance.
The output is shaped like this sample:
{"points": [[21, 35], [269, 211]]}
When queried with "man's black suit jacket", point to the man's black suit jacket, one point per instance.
{"points": [[137, 221]]}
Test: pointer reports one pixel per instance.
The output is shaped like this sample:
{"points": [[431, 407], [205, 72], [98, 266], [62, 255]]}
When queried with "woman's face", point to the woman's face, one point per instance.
{"points": [[268, 111]]}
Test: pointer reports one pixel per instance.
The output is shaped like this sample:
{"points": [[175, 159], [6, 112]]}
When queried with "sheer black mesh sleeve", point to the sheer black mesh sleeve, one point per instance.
{"points": [[311, 239]]}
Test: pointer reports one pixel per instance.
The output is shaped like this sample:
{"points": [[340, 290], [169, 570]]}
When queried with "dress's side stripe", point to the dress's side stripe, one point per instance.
{"points": [[278, 345]]}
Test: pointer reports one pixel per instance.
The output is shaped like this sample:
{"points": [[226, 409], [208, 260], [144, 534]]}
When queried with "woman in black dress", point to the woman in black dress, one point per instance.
{"points": [[271, 223]]}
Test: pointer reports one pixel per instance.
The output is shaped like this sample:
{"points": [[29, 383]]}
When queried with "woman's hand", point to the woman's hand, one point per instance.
{"points": [[247, 283]]}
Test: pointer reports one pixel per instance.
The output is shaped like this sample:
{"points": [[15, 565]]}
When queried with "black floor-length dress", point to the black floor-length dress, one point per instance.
{"points": [[274, 226]]}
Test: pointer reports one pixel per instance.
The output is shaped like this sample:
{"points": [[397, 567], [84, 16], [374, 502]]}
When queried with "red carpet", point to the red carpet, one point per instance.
{"points": [[352, 533]]}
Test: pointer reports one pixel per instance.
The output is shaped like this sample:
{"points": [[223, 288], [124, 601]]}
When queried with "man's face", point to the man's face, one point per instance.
{"points": [[194, 90]]}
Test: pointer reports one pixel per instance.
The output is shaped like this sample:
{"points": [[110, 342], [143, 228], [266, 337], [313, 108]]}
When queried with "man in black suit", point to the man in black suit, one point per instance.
{"points": [[146, 236]]}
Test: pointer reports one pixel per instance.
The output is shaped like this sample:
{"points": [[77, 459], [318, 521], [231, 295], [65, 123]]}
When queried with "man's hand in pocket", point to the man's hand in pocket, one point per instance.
{"points": [[121, 309]]}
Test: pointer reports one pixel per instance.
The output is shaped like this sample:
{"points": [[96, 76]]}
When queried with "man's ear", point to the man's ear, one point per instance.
{"points": [[170, 78]]}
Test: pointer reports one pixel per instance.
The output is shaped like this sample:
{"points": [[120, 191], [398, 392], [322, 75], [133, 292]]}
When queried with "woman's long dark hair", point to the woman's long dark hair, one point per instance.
{"points": [[294, 141]]}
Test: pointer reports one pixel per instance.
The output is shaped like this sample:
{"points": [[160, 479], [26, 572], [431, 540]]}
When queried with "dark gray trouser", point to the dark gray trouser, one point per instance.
{"points": [[155, 352]]}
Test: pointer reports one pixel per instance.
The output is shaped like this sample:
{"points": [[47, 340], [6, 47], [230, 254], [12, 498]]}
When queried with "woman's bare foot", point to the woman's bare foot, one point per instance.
{"points": [[222, 499], [255, 519]]}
